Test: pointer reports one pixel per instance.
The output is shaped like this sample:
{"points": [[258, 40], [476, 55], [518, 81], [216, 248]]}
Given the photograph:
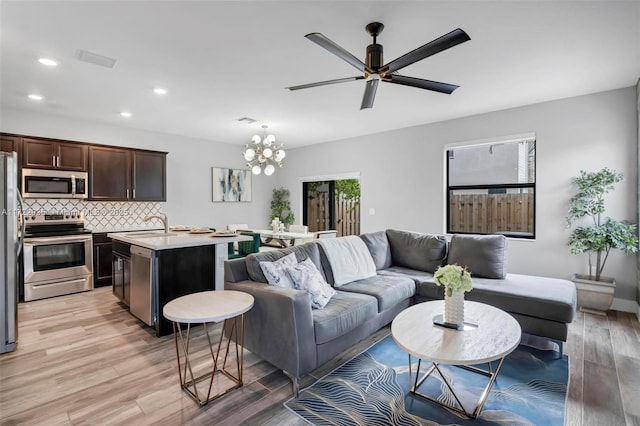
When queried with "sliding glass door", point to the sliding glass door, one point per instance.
{"points": [[332, 204]]}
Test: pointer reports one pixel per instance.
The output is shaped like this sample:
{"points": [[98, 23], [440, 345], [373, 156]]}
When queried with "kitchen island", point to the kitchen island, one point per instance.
{"points": [[165, 266]]}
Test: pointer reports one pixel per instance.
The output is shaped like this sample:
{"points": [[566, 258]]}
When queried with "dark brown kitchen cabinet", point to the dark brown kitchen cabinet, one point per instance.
{"points": [[51, 154], [101, 260], [109, 176], [11, 144], [148, 175], [126, 175]]}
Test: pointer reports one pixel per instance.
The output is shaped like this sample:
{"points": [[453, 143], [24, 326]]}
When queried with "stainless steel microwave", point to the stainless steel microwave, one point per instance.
{"points": [[38, 183]]}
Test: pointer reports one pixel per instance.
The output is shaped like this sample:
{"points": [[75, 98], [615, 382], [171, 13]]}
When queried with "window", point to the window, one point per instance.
{"points": [[491, 188]]}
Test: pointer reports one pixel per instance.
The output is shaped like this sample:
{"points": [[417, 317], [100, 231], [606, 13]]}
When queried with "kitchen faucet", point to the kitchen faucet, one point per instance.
{"points": [[162, 217]]}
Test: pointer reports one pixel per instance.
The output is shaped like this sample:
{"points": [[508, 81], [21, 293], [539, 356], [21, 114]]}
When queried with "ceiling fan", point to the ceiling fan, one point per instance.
{"points": [[374, 70]]}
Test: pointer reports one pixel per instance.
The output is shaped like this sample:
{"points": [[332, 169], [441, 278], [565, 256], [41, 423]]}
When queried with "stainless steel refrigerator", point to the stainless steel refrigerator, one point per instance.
{"points": [[10, 247]]}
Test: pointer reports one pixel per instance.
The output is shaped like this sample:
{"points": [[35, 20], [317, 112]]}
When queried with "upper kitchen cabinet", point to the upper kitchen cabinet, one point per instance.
{"points": [[109, 173], [126, 175], [51, 154], [149, 176], [11, 144]]}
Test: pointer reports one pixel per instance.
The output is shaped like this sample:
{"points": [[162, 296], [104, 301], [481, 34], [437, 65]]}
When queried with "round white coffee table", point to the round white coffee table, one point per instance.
{"points": [[202, 308], [497, 334]]}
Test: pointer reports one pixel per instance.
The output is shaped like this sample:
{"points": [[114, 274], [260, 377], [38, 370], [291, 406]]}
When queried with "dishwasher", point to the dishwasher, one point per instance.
{"points": [[142, 302]]}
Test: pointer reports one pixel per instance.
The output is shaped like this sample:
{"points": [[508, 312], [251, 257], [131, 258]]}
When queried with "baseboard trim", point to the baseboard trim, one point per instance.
{"points": [[626, 305]]}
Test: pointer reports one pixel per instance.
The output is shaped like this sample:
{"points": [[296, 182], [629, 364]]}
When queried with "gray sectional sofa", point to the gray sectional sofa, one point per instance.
{"points": [[284, 330]]}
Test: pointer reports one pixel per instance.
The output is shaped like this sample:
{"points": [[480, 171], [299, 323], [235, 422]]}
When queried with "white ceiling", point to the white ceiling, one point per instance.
{"points": [[225, 60]]}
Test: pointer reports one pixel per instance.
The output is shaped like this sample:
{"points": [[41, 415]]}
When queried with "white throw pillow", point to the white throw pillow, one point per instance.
{"points": [[276, 272], [306, 277]]}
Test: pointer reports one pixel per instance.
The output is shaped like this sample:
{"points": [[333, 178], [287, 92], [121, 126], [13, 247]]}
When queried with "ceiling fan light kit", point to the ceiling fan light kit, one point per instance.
{"points": [[374, 70]]}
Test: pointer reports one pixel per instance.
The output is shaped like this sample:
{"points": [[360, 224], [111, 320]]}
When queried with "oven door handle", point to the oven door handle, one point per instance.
{"points": [[49, 240]]}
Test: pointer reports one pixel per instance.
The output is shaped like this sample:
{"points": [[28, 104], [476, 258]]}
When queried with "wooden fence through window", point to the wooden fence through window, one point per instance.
{"points": [[347, 214], [487, 213]]}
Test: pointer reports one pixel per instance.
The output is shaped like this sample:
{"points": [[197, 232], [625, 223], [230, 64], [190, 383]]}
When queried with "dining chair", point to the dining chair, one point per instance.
{"points": [[245, 247], [236, 227], [331, 233], [303, 229]]}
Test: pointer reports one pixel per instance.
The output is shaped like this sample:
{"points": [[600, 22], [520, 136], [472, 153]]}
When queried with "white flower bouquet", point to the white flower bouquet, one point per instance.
{"points": [[453, 278]]}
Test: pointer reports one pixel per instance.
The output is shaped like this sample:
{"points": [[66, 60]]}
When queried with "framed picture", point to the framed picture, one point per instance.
{"points": [[230, 185]]}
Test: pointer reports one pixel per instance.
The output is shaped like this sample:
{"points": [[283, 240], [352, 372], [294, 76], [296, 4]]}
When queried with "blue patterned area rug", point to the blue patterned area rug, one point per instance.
{"points": [[373, 389]]}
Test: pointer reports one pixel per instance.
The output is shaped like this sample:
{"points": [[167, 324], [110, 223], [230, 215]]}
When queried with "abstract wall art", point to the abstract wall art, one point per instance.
{"points": [[230, 185]]}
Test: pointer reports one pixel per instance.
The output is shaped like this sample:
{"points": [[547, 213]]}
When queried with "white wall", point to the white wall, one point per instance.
{"points": [[188, 166], [402, 174]]}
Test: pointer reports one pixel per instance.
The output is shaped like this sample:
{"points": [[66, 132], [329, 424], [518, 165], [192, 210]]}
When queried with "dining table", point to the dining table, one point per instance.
{"points": [[282, 238]]}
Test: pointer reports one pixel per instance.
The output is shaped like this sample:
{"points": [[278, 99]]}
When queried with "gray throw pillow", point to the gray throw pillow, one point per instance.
{"points": [[307, 277], [483, 255], [276, 271], [304, 251], [423, 252], [378, 245]]}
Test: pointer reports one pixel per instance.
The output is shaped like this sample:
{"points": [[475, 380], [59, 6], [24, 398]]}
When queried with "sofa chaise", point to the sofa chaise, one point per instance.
{"points": [[284, 330]]}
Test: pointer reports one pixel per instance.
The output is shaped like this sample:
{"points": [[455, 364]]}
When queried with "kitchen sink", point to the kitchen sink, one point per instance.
{"points": [[149, 234]]}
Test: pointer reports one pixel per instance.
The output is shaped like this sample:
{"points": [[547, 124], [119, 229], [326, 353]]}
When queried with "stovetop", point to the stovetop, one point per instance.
{"points": [[54, 231], [54, 224]]}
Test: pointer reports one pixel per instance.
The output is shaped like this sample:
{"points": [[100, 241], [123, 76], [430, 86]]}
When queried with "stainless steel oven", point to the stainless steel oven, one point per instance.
{"points": [[57, 259]]}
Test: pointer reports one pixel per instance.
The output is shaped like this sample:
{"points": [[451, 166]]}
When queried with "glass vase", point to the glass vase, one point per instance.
{"points": [[454, 307]]}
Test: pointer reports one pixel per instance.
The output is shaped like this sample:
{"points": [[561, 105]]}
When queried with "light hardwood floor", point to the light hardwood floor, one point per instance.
{"points": [[82, 359]]}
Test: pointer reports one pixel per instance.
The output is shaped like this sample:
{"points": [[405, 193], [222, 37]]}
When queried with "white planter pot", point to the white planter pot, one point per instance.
{"points": [[594, 296], [454, 307]]}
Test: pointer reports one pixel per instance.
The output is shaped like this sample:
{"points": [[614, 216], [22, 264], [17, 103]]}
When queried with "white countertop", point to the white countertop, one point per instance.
{"points": [[112, 229], [179, 240]]}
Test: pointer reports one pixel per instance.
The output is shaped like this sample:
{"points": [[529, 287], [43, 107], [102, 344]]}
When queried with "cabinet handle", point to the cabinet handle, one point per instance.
{"points": [[134, 193], [58, 160], [54, 161], [127, 193]]}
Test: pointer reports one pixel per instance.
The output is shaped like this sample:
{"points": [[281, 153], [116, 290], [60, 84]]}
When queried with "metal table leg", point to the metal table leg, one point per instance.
{"points": [[434, 367], [187, 380]]}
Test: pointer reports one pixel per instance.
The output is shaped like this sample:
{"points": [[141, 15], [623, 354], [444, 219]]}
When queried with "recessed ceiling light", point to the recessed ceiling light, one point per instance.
{"points": [[160, 91], [125, 114], [48, 62], [35, 97]]}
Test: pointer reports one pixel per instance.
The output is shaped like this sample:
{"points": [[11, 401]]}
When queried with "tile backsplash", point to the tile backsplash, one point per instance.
{"points": [[102, 216]]}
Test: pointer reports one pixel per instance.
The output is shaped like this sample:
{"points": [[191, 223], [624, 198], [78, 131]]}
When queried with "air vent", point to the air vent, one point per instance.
{"points": [[94, 58], [247, 120]]}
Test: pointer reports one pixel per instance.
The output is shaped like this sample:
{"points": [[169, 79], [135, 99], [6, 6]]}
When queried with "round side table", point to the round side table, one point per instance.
{"points": [[202, 308]]}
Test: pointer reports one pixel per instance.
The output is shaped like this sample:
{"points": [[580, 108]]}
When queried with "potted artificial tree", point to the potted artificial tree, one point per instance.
{"points": [[281, 208], [597, 238]]}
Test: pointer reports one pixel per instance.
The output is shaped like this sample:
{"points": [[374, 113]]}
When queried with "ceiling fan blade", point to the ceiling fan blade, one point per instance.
{"points": [[369, 93], [340, 52], [436, 86], [325, 83], [448, 40]]}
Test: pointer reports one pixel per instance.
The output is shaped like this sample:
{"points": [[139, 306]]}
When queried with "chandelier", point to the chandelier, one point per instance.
{"points": [[263, 153]]}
